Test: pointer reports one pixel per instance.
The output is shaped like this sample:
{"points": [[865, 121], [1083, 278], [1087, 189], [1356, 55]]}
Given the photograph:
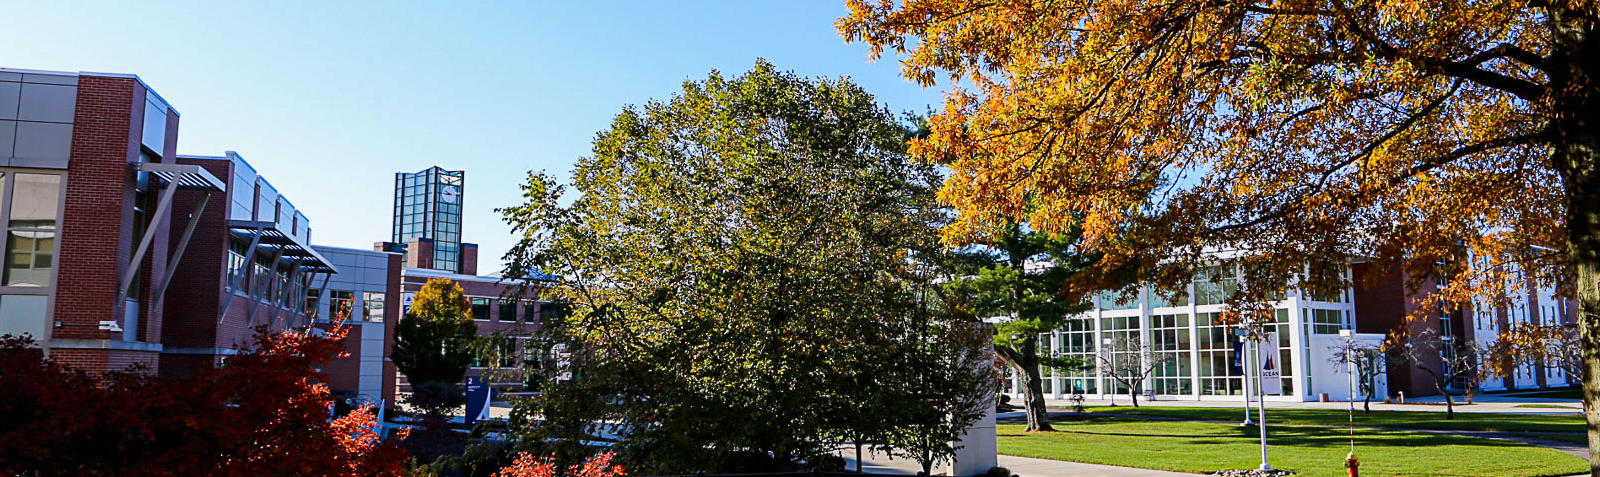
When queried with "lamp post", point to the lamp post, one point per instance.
{"points": [[1111, 355], [1244, 368]]}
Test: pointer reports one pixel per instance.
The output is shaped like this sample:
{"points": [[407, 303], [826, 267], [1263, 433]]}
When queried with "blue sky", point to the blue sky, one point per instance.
{"points": [[329, 99]]}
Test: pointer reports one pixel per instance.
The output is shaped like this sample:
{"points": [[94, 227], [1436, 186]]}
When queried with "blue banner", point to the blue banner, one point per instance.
{"points": [[477, 399]]}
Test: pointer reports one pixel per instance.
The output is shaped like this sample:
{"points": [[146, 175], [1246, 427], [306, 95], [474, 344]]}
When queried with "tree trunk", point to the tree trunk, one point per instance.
{"points": [[1574, 92], [1026, 362], [1449, 406], [858, 456], [1133, 395]]}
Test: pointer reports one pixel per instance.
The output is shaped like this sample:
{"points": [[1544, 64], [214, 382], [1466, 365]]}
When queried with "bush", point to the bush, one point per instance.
{"points": [[997, 472], [827, 463]]}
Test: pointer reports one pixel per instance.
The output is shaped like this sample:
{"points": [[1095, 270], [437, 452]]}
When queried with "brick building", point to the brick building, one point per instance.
{"points": [[120, 252], [90, 172]]}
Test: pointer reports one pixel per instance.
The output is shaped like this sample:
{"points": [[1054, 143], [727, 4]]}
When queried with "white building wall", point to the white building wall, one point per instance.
{"points": [[360, 272]]}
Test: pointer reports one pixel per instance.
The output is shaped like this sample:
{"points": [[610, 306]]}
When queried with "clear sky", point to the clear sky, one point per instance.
{"points": [[329, 99]]}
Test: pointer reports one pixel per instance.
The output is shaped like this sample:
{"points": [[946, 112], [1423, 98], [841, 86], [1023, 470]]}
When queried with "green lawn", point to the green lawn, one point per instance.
{"points": [[1395, 419], [1547, 406], [1568, 393], [1309, 450]]}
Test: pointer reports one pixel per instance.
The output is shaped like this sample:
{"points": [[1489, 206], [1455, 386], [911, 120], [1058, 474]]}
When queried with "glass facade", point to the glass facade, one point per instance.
{"points": [[30, 209], [1182, 328], [427, 204]]}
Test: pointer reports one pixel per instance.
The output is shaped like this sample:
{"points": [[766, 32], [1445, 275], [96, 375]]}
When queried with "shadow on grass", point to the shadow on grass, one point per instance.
{"points": [[1290, 435]]}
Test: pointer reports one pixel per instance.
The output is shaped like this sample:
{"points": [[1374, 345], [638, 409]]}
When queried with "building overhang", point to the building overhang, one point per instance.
{"points": [[184, 176], [274, 240]]}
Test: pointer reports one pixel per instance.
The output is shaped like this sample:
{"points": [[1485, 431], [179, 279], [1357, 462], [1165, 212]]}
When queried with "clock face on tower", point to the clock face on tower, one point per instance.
{"points": [[449, 194]]}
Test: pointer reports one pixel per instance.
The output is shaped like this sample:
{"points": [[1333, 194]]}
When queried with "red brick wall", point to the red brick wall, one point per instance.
{"points": [[469, 259], [94, 233], [196, 292], [1382, 304]]}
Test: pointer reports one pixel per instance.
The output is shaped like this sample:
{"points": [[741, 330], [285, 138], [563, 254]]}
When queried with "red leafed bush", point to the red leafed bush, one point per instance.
{"points": [[528, 466], [265, 413]]}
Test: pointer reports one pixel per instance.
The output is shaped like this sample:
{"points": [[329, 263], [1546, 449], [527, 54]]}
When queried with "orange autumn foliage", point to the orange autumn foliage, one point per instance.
{"points": [[528, 466]]}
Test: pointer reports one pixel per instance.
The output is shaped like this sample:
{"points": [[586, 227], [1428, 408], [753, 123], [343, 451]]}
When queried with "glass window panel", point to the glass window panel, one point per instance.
{"points": [[35, 199], [28, 258], [373, 309]]}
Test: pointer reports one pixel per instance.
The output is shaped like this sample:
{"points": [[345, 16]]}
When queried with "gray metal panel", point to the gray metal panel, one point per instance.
{"points": [[49, 103], [67, 80], [8, 136], [42, 145], [8, 100], [9, 76]]}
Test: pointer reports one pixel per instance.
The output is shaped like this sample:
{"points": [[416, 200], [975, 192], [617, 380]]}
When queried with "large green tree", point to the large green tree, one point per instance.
{"points": [[738, 260], [433, 343], [1014, 275]]}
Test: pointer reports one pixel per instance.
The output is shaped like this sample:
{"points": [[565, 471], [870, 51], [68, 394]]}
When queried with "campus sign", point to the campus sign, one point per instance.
{"points": [[1268, 365]]}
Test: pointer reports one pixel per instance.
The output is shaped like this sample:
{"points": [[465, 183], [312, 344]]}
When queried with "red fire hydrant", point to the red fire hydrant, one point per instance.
{"points": [[1352, 465]]}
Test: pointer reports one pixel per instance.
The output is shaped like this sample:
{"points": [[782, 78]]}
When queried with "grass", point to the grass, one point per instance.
{"points": [[1547, 406], [1309, 450], [1568, 438], [1568, 393], [1433, 419]]}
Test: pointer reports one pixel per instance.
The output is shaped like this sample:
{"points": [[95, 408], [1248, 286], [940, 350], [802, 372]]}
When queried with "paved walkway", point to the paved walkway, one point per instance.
{"points": [[1022, 466]]}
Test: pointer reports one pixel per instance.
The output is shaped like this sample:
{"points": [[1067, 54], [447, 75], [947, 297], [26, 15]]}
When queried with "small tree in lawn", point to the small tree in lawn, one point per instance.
{"points": [[1369, 364], [1130, 362], [1552, 346], [1457, 360], [947, 382], [433, 346]]}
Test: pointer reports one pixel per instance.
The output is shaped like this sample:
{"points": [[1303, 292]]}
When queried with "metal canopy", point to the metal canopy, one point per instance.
{"points": [[185, 176], [273, 240]]}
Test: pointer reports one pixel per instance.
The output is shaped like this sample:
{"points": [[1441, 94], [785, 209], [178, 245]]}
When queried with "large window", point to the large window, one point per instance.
{"points": [[31, 229], [340, 304], [1123, 331], [1217, 354], [1077, 341], [1119, 300], [508, 310], [480, 309], [372, 304], [1169, 341], [1328, 322], [236, 264], [1213, 285]]}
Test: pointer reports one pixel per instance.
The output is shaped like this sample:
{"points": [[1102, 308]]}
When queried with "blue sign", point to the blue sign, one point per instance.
{"points": [[477, 399], [1238, 357]]}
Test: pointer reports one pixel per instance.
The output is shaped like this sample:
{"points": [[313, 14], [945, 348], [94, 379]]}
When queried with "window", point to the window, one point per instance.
{"points": [[1166, 298], [372, 306], [530, 311], [1169, 336], [236, 261], [31, 231], [1213, 285], [480, 309], [508, 310], [1115, 300], [1076, 339], [340, 304], [1324, 322], [312, 311]]}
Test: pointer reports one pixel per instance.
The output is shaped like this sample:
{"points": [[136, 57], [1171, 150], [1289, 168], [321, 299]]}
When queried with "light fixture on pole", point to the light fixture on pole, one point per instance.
{"points": [[1244, 371], [1111, 355]]}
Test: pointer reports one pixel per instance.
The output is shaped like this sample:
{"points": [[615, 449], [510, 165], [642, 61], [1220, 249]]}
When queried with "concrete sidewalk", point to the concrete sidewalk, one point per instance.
{"points": [[1021, 466]]}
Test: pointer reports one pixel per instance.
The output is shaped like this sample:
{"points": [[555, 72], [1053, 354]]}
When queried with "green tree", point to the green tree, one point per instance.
{"points": [[433, 342], [736, 258], [433, 345], [1016, 276]]}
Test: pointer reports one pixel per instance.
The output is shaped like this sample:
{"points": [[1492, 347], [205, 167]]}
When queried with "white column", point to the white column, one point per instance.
{"points": [[1297, 345], [1194, 345], [1149, 385]]}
